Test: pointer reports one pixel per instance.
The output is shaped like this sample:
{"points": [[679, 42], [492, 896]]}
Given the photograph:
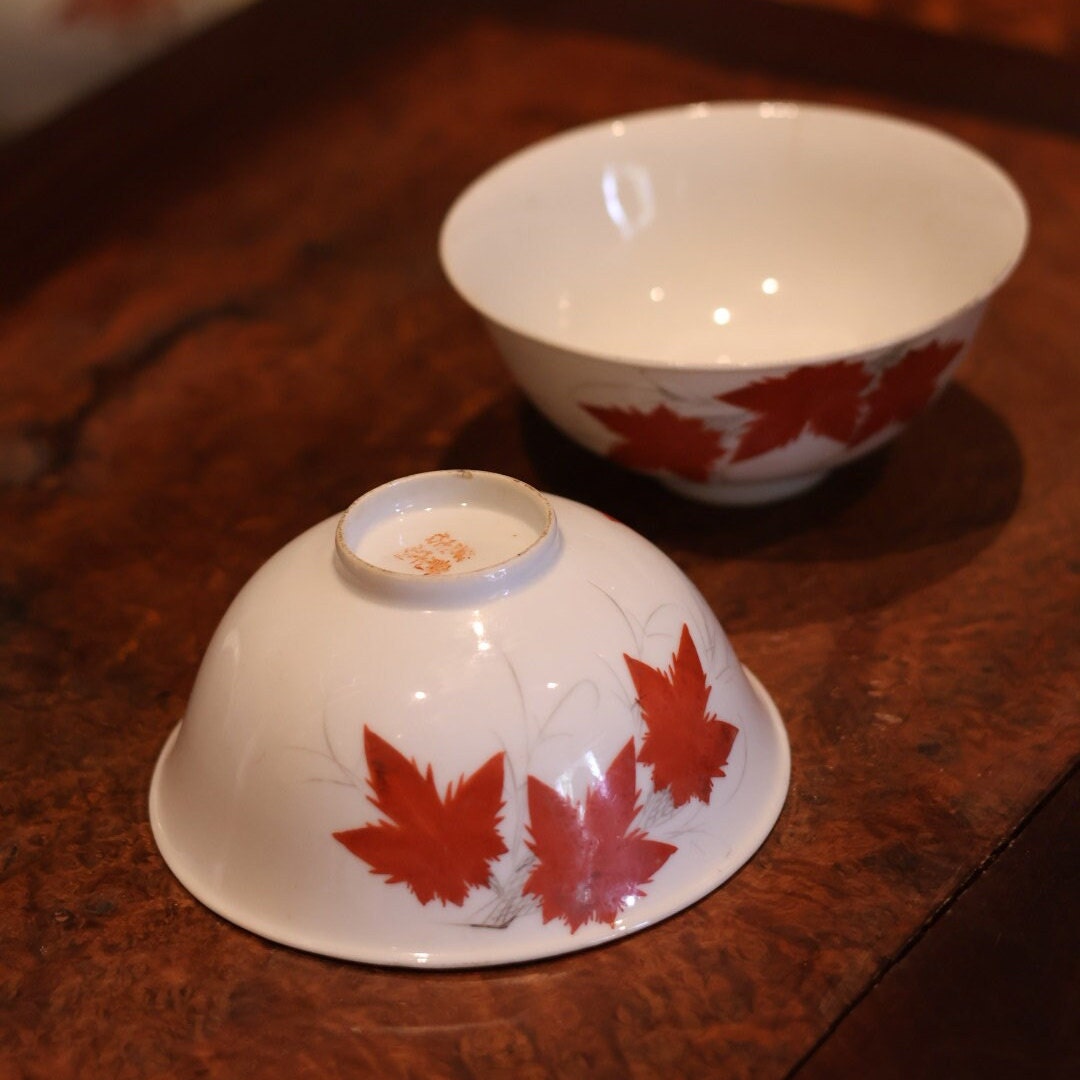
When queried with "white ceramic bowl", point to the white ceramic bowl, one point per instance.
{"points": [[466, 724], [735, 298]]}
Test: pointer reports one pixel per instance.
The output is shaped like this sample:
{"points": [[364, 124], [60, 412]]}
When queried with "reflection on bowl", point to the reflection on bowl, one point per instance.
{"points": [[735, 298], [466, 724]]}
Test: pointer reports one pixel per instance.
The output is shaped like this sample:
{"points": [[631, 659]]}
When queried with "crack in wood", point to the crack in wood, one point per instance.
{"points": [[115, 376]]}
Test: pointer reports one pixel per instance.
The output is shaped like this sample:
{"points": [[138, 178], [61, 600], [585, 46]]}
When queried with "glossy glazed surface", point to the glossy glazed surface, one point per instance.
{"points": [[735, 298], [487, 759], [224, 319], [734, 234]]}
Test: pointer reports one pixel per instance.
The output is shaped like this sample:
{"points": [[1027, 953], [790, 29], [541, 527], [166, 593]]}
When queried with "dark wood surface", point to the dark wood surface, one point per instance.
{"points": [[223, 318]]}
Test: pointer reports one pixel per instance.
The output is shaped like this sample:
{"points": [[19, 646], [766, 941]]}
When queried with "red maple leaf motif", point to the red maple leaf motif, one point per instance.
{"points": [[686, 746], [906, 387], [661, 439], [589, 865], [823, 399], [440, 847]]}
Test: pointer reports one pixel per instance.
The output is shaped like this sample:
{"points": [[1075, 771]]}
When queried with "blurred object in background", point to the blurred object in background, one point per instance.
{"points": [[54, 51]]}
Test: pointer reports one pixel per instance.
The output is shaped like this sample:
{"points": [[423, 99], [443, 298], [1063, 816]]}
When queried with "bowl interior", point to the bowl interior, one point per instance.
{"points": [[742, 234]]}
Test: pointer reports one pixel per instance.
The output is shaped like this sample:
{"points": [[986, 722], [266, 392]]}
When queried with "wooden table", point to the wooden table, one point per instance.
{"points": [[223, 318]]}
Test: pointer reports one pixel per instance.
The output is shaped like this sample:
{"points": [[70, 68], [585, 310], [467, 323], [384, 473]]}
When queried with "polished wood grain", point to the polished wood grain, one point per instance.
{"points": [[992, 987], [223, 319]]}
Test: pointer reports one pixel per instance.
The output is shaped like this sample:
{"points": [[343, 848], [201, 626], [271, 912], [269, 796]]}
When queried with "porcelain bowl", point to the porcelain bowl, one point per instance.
{"points": [[466, 724], [735, 298]]}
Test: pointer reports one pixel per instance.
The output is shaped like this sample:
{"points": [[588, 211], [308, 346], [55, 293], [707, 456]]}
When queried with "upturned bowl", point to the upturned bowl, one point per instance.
{"points": [[465, 724], [735, 298]]}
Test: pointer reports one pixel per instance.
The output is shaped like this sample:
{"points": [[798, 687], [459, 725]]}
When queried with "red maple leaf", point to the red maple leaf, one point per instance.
{"points": [[823, 399], [440, 847], [685, 745], [589, 865], [906, 387], [661, 439]]}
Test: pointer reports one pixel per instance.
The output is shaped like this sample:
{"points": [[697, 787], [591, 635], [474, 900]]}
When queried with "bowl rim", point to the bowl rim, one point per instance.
{"points": [[772, 782], [767, 109], [436, 487]]}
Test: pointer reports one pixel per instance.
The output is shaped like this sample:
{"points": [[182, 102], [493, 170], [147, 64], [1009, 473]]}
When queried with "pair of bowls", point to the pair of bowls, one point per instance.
{"points": [[467, 723]]}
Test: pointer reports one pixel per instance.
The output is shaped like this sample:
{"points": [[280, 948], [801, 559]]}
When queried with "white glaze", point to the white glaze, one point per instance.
{"points": [[524, 658], [678, 255]]}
